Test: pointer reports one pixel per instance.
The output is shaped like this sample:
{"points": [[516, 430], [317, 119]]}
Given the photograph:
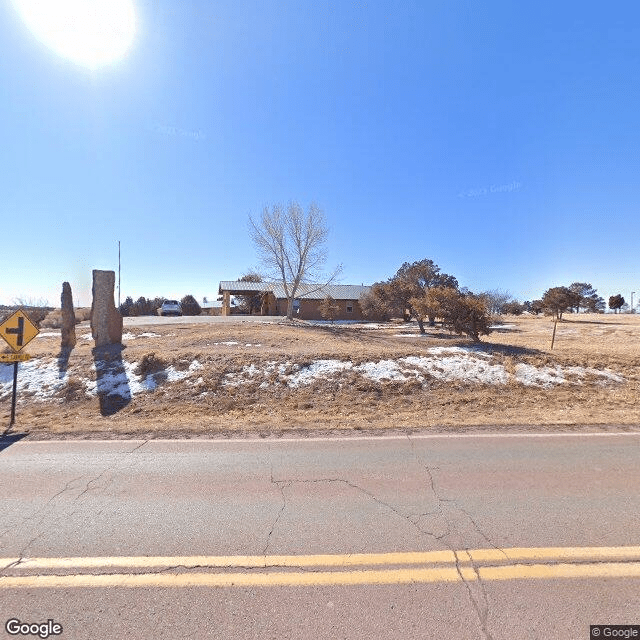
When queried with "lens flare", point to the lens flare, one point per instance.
{"points": [[91, 33]]}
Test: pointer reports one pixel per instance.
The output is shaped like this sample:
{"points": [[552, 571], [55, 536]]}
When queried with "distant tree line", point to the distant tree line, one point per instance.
{"points": [[556, 301], [150, 306]]}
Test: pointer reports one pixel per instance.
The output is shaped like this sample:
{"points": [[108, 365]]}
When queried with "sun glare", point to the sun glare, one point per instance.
{"points": [[91, 33]]}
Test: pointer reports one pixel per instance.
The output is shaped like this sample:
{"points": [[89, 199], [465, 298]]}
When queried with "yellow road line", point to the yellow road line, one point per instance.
{"points": [[510, 555], [327, 578]]}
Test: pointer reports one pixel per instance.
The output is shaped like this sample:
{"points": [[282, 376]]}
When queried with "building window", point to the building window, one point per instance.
{"points": [[349, 307]]}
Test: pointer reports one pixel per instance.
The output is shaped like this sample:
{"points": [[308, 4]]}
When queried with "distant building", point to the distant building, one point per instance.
{"points": [[211, 307], [307, 301]]}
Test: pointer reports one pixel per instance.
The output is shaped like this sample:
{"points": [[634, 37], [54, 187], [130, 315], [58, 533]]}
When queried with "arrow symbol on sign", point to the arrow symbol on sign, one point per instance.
{"points": [[19, 330]]}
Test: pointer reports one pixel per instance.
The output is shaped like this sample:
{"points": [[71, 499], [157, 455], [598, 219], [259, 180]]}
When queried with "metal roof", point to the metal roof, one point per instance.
{"points": [[305, 291]]}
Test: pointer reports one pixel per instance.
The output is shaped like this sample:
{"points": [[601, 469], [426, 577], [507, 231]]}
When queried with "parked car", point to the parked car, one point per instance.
{"points": [[170, 308]]}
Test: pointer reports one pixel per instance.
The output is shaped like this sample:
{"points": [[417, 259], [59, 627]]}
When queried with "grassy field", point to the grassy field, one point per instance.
{"points": [[250, 378]]}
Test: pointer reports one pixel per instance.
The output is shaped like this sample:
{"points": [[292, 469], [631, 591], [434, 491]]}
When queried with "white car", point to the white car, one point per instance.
{"points": [[170, 308]]}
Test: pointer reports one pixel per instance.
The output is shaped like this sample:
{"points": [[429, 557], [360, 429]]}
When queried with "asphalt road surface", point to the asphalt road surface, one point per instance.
{"points": [[447, 537]]}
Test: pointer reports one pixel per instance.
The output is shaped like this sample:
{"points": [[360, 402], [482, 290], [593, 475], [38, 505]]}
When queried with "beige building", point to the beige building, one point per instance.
{"points": [[307, 303]]}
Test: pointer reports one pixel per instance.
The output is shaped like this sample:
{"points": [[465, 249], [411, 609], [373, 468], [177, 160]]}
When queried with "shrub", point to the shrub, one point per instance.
{"points": [[190, 306], [141, 307], [513, 308], [329, 308], [126, 307], [462, 313], [150, 364], [83, 314]]}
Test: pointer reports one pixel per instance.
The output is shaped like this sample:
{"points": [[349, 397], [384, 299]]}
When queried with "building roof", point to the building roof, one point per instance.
{"points": [[305, 291]]}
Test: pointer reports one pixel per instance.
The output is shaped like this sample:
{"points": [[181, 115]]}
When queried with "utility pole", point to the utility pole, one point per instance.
{"points": [[632, 301], [118, 274]]}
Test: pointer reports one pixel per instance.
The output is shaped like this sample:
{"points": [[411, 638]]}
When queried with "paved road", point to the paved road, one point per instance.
{"points": [[468, 537]]}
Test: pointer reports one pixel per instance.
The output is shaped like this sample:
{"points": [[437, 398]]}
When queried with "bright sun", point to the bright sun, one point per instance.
{"points": [[91, 33]]}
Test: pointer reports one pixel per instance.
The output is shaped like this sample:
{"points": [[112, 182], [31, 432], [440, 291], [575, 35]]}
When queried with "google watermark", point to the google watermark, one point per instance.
{"points": [[597, 631], [15, 627], [494, 188]]}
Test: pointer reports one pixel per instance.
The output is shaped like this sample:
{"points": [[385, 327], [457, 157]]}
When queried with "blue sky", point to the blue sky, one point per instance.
{"points": [[499, 139]]}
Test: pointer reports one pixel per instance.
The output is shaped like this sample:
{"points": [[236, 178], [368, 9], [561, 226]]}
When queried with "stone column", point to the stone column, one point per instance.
{"points": [[68, 329], [106, 321], [226, 303]]}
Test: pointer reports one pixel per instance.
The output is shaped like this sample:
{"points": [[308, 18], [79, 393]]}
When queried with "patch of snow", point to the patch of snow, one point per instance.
{"points": [[532, 376], [382, 370], [48, 334], [503, 326], [608, 374], [316, 370], [35, 377], [459, 367], [124, 382], [87, 336], [462, 350], [173, 375]]}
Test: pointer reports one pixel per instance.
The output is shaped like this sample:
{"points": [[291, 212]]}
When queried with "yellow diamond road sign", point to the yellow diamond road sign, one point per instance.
{"points": [[18, 330]]}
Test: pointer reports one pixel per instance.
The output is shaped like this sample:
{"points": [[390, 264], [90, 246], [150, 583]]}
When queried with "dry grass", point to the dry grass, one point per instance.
{"points": [[203, 405], [53, 319]]}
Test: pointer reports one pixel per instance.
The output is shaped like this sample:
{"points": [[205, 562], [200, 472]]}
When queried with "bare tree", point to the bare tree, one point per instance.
{"points": [[291, 244], [496, 299], [249, 302]]}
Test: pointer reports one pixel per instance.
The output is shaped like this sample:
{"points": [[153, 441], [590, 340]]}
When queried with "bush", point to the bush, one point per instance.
{"points": [[141, 307], [149, 364], [83, 314], [329, 308], [513, 308], [190, 306], [462, 313]]}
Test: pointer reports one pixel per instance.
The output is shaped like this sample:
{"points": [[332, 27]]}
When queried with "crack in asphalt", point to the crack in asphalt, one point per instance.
{"points": [[35, 514], [67, 487], [458, 565], [281, 486], [481, 612], [481, 608]]}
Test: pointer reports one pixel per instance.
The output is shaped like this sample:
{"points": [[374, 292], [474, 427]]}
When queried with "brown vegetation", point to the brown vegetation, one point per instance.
{"points": [[203, 405]]}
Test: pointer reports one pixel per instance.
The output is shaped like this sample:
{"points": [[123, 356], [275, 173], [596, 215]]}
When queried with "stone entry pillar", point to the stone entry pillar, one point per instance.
{"points": [[106, 321], [226, 303], [68, 329]]}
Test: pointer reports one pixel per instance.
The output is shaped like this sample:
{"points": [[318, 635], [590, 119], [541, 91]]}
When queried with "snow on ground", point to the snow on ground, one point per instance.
{"points": [[232, 343], [42, 379], [362, 324], [447, 364], [122, 380], [125, 336], [548, 376], [36, 378]]}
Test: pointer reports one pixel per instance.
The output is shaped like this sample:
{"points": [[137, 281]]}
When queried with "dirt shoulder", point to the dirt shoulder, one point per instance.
{"points": [[245, 379]]}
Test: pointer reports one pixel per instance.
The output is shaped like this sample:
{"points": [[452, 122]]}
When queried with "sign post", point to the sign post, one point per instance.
{"points": [[17, 331], [14, 395]]}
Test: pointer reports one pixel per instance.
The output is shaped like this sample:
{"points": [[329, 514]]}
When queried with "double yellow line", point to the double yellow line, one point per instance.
{"points": [[312, 570]]}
